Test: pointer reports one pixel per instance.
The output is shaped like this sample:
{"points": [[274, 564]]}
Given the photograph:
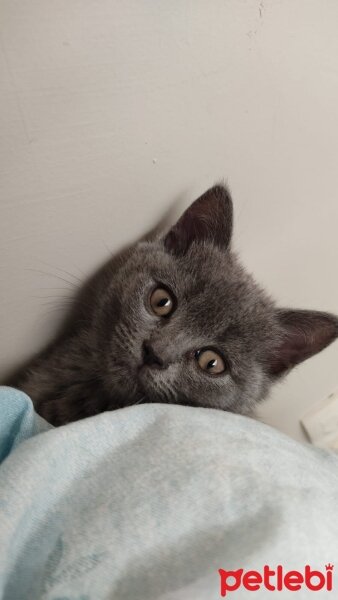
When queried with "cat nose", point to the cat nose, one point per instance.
{"points": [[150, 358]]}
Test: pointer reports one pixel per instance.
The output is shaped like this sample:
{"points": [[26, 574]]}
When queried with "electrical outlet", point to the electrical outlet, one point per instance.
{"points": [[321, 423]]}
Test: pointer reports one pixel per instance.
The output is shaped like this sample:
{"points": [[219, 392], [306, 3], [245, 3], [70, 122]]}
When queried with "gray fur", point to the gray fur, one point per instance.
{"points": [[97, 363]]}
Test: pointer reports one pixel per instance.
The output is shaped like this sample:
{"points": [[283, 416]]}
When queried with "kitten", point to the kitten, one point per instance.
{"points": [[174, 320]]}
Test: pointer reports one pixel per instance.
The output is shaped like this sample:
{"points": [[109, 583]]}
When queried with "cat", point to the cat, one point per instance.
{"points": [[174, 320]]}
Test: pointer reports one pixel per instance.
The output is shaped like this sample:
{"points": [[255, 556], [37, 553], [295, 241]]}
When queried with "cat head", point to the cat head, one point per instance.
{"points": [[179, 320]]}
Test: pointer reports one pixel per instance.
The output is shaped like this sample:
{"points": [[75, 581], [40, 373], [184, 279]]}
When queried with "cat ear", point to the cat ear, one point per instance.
{"points": [[208, 219], [304, 333]]}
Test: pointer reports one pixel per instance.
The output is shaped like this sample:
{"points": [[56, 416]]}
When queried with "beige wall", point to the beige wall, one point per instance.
{"points": [[114, 111]]}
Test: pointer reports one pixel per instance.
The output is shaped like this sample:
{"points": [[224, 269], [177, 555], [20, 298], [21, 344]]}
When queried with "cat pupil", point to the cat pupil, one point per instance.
{"points": [[163, 302], [212, 363]]}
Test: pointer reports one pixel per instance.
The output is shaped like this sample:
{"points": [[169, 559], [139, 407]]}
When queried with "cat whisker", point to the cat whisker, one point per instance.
{"points": [[142, 399], [171, 392], [70, 283], [63, 271], [124, 335]]}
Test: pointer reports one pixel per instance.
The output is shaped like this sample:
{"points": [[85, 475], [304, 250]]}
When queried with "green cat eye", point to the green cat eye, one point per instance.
{"points": [[161, 302], [210, 361]]}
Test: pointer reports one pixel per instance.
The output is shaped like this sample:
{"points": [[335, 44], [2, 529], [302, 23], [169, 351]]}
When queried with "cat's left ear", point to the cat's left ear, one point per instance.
{"points": [[208, 219], [303, 334]]}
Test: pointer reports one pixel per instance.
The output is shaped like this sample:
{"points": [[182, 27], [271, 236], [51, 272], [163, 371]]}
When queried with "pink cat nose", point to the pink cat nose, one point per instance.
{"points": [[150, 358]]}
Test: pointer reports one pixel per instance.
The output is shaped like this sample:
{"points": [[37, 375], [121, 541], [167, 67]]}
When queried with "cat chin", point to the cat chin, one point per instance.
{"points": [[152, 387]]}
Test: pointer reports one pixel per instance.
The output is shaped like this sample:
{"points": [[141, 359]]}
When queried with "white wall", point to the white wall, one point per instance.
{"points": [[114, 111]]}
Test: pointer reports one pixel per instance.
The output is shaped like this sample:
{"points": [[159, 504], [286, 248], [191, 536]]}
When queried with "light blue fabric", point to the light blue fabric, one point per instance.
{"points": [[18, 421], [148, 502]]}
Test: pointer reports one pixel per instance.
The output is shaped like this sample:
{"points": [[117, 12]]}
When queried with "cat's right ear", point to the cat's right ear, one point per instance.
{"points": [[208, 219], [303, 334]]}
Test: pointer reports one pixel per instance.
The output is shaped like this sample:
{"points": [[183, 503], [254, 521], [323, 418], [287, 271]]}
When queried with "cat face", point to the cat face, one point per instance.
{"points": [[165, 315], [180, 321]]}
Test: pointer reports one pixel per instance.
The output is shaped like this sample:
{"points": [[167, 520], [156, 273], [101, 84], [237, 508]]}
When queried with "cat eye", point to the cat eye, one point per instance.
{"points": [[162, 302], [210, 361]]}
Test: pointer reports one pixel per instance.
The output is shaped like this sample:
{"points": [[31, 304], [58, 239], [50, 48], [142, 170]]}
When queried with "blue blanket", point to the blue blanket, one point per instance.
{"points": [[150, 501]]}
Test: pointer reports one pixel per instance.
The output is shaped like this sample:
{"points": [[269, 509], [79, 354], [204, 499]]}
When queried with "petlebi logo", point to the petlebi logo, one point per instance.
{"points": [[276, 579]]}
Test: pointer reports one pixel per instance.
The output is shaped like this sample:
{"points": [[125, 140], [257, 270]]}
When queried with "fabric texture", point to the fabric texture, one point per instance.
{"points": [[148, 502]]}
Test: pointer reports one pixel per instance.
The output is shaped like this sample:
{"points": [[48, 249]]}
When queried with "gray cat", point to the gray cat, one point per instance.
{"points": [[173, 320]]}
